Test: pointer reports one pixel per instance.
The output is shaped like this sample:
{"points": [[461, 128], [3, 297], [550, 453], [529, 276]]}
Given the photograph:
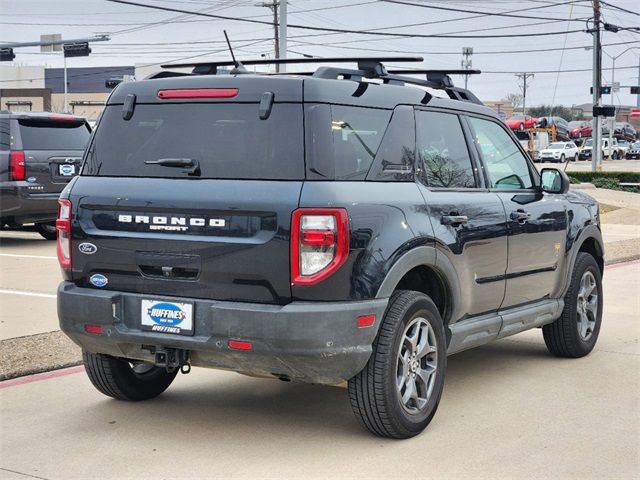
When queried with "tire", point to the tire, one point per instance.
{"points": [[614, 156], [562, 158], [116, 377], [47, 230], [575, 157], [374, 393], [521, 127], [569, 336]]}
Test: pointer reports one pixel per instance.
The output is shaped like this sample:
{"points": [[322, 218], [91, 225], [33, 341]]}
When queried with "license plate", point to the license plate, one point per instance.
{"points": [[167, 317], [67, 170]]}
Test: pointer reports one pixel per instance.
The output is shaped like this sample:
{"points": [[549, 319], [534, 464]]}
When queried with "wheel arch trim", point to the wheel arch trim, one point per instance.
{"points": [[425, 256]]}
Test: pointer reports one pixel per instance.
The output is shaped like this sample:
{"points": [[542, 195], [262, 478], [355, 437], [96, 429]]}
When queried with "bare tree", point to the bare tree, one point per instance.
{"points": [[515, 99]]}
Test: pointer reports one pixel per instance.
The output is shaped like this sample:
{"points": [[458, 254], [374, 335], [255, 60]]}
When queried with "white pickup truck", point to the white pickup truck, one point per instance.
{"points": [[608, 151]]}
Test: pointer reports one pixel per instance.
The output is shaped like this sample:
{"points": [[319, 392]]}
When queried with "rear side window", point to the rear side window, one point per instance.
{"points": [[228, 140], [342, 141], [43, 134], [442, 150]]}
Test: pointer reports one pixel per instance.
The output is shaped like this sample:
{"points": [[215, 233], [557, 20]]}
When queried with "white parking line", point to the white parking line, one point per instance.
{"points": [[27, 256], [27, 294]]}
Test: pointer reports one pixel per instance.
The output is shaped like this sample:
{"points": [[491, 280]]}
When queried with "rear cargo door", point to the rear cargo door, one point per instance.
{"points": [[193, 199], [53, 148]]}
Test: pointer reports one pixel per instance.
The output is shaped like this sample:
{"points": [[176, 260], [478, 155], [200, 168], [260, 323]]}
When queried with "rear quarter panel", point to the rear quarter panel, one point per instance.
{"points": [[386, 220]]}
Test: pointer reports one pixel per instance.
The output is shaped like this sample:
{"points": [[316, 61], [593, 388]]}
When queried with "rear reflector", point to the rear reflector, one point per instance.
{"points": [[198, 93], [95, 329], [17, 170], [239, 345], [366, 321]]}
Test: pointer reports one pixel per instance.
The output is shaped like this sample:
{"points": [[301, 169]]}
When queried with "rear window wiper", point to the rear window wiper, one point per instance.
{"points": [[191, 165]]}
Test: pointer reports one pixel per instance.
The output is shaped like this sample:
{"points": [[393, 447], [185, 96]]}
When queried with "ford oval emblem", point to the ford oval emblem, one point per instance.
{"points": [[87, 248], [98, 280], [31, 179]]}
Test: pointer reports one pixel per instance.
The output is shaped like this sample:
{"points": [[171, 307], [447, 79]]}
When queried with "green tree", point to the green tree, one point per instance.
{"points": [[556, 111]]}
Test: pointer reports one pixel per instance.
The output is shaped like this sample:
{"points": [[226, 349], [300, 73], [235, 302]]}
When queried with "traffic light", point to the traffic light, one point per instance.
{"points": [[603, 90], [7, 55], [76, 49]]}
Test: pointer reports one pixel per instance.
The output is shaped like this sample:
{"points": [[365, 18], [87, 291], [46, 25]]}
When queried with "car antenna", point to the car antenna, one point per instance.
{"points": [[238, 67]]}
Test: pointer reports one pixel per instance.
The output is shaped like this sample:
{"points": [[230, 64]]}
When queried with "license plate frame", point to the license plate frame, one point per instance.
{"points": [[167, 316], [66, 169]]}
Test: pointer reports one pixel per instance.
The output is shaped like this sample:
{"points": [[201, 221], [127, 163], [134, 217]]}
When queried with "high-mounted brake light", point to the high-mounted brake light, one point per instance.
{"points": [[17, 169], [198, 93], [319, 243], [63, 226], [66, 118]]}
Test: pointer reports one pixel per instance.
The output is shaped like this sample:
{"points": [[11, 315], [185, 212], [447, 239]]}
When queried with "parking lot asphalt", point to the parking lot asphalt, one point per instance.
{"points": [[509, 410]]}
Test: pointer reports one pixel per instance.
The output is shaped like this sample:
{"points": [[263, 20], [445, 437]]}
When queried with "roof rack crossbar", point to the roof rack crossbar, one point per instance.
{"points": [[292, 61]]}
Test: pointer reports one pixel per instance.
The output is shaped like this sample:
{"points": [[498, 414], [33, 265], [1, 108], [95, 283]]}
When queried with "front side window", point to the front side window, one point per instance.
{"points": [[506, 166], [442, 151]]}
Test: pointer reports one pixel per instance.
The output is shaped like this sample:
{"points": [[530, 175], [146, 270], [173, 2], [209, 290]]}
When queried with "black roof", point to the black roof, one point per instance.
{"points": [[370, 85]]}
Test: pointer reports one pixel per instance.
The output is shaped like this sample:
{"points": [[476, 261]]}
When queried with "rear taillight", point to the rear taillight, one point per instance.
{"points": [[319, 243], [17, 170], [63, 226]]}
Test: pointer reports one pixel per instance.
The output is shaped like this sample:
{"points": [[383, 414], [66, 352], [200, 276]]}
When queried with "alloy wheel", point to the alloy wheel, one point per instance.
{"points": [[587, 305], [417, 365]]}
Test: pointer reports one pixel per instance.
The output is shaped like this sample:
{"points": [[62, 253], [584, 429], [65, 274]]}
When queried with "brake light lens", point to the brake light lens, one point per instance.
{"points": [[17, 169], [198, 93], [319, 243], [63, 226]]}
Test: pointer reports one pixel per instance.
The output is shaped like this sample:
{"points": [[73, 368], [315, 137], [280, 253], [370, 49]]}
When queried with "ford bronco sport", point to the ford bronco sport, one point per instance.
{"points": [[345, 225], [39, 154]]}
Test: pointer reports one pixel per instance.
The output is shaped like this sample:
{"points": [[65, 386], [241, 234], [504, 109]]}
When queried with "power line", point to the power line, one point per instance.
{"points": [[498, 14], [336, 30], [620, 8]]}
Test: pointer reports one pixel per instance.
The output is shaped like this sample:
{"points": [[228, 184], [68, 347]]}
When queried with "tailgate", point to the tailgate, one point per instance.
{"points": [[53, 148], [214, 239]]}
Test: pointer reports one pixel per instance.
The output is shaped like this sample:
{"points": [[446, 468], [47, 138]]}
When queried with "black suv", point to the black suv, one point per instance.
{"points": [[345, 225], [39, 154]]}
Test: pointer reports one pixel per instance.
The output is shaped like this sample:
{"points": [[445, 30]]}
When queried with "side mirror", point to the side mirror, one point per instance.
{"points": [[553, 180]]}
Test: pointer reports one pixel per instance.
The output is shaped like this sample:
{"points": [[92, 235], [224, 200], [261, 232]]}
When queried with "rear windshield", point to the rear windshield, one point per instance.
{"points": [[228, 140], [53, 135]]}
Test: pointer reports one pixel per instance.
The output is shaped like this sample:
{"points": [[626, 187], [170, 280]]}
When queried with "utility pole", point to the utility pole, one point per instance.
{"points": [[282, 46], [597, 83], [276, 35], [466, 63], [524, 76]]}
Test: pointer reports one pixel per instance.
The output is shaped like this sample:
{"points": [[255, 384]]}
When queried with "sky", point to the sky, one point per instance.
{"points": [[144, 36]]}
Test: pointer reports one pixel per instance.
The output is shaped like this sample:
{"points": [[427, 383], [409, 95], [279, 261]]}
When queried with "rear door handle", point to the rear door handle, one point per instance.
{"points": [[454, 220], [520, 216]]}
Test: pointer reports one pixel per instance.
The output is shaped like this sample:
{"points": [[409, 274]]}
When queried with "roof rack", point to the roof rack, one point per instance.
{"points": [[368, 67]]}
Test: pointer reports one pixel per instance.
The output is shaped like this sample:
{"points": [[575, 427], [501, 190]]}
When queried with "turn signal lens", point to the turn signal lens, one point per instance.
{"points": [[95, 329]]}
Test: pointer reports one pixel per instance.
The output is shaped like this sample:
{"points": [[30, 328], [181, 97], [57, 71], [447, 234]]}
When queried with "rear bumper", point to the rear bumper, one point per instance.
{"points": [[21, 205], [314, 342]]}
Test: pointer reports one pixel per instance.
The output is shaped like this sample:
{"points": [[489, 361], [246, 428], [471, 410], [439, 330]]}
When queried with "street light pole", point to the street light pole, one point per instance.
{"points": [[596, 151], [65, 107]]}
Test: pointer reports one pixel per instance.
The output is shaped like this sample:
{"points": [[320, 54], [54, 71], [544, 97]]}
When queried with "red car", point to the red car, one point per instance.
{"points": [[520, 122], [580, 129]]}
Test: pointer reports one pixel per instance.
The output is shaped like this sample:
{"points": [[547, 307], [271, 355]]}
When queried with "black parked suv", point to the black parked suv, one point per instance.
{"points": [[39, 154], [341, 226]]}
